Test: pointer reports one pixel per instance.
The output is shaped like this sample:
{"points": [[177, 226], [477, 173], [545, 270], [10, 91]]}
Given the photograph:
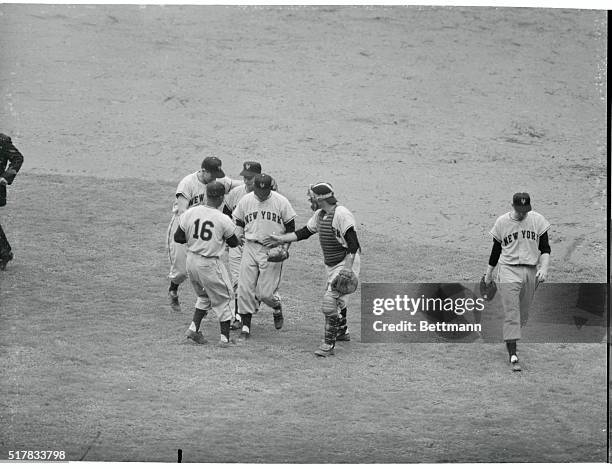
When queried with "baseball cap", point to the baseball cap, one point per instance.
{"points": [[521, 202], [262, 185], [250, 168], [323, 191], [215, 189], [212, 164]]}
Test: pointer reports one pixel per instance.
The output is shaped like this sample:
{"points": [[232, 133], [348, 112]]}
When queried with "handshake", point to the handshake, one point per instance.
{"points": [[273, 240], [278, 251]]}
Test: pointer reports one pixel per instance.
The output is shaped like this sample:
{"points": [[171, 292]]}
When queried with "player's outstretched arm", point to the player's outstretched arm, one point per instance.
{"points": [[274, 240]]}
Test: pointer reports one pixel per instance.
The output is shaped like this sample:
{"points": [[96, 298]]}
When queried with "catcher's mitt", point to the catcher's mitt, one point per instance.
{"points": [[487, 290], [345, 282], [278, 254]]}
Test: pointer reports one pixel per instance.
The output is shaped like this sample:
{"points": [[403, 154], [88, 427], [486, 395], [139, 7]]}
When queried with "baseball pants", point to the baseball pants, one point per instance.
{"points": [[234, 258], [212, 285], [517, 284], [258, 279], [177, 254]]}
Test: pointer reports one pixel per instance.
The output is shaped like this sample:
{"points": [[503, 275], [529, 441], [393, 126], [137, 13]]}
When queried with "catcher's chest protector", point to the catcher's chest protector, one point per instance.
{"points": [[333, 251]]}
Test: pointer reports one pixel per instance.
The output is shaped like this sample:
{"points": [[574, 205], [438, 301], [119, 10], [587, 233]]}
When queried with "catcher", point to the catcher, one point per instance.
{"points": [[341, 255]]}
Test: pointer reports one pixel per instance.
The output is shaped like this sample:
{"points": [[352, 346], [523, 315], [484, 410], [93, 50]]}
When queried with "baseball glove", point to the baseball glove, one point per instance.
{"points": [[345, 282], [487, 290], [278, 254]]}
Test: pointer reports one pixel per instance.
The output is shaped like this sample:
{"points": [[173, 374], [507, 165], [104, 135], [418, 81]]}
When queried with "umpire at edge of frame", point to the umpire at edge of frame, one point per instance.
{"points": [[11, 156]]}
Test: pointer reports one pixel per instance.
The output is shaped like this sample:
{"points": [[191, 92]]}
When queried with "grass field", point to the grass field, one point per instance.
{"points": [[103, 371]]}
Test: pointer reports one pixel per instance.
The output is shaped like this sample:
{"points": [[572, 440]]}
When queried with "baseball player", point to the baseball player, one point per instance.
{"points": [[205, 230], [191, 191], [259, 214], [249, 170], [341, 252], [520, 240], [9, 155]]}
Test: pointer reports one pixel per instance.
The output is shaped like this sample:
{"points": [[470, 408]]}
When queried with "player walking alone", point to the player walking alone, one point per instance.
{"points": [[520, 241]]}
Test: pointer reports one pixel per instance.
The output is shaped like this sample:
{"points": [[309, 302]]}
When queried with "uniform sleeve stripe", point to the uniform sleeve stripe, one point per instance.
{"points": [[544, 230], [495, 237], [348, 228]]}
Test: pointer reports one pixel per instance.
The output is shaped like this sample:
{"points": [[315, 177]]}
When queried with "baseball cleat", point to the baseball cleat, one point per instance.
{"points": [[197, 337], [6, 260], [231, 343], [344, 337], [514, 361], [278, 318], [325, 350], [174, 301]]}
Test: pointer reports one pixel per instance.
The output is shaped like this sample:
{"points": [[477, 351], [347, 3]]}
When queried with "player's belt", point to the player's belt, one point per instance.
{"points": [[521, 265], [205, 257]]}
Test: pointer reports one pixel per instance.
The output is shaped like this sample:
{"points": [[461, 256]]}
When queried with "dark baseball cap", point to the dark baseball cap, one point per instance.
{"points": [[215, 189], [250, 168], [521, 202], [323, 191], [262, 185], [212, 164]]}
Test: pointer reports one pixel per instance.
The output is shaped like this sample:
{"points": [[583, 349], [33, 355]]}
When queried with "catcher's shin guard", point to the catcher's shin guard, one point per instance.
{"points": [[331, 329], [343, 334], [342, 325]]}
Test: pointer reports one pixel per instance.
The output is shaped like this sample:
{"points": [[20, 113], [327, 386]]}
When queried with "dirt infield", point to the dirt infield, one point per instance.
{"points": [[425, 119]]}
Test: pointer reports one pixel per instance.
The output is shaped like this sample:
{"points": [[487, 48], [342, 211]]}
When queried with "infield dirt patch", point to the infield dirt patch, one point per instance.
{"points": [[425, 119]]}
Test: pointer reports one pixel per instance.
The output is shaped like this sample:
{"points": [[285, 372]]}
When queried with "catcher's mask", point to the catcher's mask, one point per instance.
{"points": [[321, 191]]}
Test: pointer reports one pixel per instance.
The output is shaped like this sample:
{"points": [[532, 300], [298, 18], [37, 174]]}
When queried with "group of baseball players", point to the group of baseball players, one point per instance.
{"points": [[250, 218], [213, 214]]}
